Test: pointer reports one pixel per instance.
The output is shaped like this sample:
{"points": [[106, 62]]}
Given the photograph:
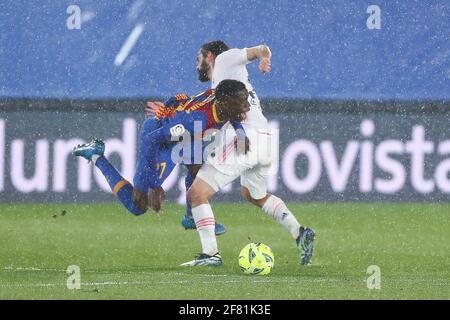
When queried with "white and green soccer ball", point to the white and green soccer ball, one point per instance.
{"points": [[256, 258]]}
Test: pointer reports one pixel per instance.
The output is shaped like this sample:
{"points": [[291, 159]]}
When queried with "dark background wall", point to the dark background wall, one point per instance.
{"points": [[327, 151]]}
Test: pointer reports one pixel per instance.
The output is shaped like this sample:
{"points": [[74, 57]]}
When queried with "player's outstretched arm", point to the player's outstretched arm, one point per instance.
{"points": [[263, 53]]}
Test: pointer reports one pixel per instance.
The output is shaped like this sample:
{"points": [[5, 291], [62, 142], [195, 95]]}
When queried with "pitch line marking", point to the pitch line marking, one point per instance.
{"points": [[140, 283], [443, 282]]}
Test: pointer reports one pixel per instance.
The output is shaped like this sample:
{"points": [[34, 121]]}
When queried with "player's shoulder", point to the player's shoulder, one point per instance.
{"points": [[203, 95], [200, 100], [175, 101], [232, 54]]}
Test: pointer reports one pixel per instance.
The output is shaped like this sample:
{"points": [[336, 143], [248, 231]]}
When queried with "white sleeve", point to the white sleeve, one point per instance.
{"points": [[233, 57], [231, 64]]}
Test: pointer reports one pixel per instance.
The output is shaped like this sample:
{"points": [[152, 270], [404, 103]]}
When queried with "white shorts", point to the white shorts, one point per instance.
{"points": [[253, 179], [224, 165]]}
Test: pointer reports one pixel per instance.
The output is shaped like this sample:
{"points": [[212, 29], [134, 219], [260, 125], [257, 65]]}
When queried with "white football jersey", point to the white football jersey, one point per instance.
{"points": [[231, 64]]}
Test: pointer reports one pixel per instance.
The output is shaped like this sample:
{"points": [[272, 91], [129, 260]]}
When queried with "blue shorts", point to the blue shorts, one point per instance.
{"points": [[157, 159], [154, 160]]}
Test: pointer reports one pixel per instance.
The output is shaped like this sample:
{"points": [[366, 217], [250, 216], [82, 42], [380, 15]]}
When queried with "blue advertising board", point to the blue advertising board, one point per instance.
{"points": [[362, 49]]}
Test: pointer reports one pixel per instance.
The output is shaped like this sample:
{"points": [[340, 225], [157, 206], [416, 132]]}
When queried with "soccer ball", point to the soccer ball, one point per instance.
{"points": [[256, 258]]}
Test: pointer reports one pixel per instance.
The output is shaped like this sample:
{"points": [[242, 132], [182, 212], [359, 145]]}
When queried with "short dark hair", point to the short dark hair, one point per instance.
{"points": [[228, 88], [216, 47]]}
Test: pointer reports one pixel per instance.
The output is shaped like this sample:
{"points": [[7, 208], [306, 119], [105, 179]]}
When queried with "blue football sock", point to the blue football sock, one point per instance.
{"points": [[119, 186]]}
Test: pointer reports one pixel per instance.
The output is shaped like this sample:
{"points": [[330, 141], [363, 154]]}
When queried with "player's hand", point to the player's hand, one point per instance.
{"points": [[264, 65], [155, 198], [152, 107]]}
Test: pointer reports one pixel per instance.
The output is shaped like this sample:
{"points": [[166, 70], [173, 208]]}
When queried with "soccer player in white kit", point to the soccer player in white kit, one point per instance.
{"points": [[225, 165]]}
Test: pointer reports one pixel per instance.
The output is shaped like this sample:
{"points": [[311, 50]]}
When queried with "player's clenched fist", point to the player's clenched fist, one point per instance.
{"points": [[264, 65]]}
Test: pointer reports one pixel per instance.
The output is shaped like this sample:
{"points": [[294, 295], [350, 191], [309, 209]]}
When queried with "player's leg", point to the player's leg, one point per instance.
{"points": [[208, 181], [134, 200], [188, 221], [198, 196], [254, 190], [270, 204]]}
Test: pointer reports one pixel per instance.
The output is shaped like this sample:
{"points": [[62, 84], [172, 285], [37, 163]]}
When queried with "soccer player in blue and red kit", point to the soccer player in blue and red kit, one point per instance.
{"points": [[180, 117]]}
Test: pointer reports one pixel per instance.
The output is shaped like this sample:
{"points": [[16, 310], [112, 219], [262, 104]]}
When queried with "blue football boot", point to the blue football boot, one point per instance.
{"points": [[189, 223], [305, 243], [87, 150]]}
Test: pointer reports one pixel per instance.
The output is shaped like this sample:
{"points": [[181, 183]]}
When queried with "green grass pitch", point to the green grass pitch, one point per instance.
{"points": [[127, 257]]}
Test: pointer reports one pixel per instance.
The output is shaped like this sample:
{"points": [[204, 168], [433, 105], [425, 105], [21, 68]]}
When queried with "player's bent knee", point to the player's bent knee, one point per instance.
{"points": [[246, 194], [192, 197], [138, 204], [196, 197], [257, 202], [200, 192], [135, 210]]}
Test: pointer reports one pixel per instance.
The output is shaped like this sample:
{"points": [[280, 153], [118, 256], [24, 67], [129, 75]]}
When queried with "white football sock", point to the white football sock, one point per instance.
{"points": [[276, 208], [204, 220]]}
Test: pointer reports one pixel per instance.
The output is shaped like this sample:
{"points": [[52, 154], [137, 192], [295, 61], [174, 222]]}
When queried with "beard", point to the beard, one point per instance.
{"points": [[203, 72]]}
